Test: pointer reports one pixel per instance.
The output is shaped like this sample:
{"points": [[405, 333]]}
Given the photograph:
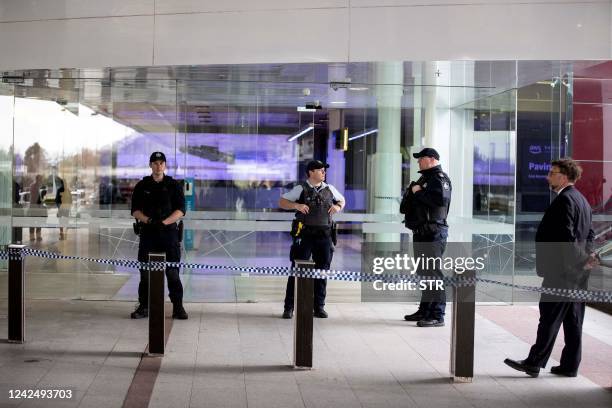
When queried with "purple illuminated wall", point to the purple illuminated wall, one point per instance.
{"points": [[223, 156]]}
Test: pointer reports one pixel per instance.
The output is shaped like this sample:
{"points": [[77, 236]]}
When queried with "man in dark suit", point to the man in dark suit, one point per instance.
{"points": [[564, 259]]}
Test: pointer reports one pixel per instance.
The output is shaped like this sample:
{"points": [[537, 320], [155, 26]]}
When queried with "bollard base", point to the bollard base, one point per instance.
{"points": [[462, 379], [303, 306], [302, 368], [15, 341], [157, 307]]}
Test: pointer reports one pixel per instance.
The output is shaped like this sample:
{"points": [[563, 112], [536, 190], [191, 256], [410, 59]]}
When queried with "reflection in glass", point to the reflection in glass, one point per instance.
{"points": [[239, 136]]}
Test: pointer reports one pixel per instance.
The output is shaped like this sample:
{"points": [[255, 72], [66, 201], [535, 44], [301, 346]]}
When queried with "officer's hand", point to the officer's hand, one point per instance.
{"points": [[156, 223], [333, 209], [303, 208], [416, 188], [591, 262]]}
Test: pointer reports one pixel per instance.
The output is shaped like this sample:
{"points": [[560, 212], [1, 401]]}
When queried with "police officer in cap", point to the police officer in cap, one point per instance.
{"points": [[314, 203], [426, 203], [158, 203]]}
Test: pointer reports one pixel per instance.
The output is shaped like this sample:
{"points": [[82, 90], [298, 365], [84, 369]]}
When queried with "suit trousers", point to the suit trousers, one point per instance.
{"points": [[553, 314]]}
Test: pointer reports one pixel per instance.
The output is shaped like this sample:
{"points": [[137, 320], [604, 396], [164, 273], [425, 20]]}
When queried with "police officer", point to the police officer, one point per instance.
{"points": [[314, 203], [426, 204], [158, 203]]}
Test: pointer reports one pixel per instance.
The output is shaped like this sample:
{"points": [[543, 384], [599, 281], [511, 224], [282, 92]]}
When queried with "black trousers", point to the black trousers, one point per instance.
{"points": [[319, 245], [552, 316], [165, 241], [431, 244]]}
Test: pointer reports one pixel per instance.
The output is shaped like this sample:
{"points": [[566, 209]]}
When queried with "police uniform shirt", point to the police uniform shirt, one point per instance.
{"points": [[296, 192], [149, 196]]}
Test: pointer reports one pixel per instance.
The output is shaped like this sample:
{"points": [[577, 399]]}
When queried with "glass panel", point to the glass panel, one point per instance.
{"points": [[47, 139], [483, 139], [133, 117], [243, 144], [589, 107], [79, 151], [240, 136], [9, 190]]}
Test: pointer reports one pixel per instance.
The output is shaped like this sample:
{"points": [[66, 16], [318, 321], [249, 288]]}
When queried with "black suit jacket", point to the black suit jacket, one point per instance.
{"points": [[563, 241]]}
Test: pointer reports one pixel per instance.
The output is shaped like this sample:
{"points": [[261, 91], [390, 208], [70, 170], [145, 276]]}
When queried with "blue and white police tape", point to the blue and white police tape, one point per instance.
{"points": [[339, 275]]}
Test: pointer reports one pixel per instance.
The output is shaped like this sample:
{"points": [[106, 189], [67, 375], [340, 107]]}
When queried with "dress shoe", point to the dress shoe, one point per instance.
{"points": [[430, 323], [288, 314], [140, 313], [520, 365], [320, 312], [558, 370], [178, 312], [415, 317]]}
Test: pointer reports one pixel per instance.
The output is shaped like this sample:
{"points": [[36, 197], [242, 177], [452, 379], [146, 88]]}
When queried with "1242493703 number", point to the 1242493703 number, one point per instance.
{"points": [[40, 394]]}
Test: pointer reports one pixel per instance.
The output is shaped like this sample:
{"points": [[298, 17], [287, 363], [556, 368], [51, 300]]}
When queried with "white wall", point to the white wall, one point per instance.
{"points": [[93, 33]]}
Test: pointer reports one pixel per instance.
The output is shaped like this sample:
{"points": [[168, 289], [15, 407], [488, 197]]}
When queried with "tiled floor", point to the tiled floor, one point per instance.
{"points": [[239, 355]]}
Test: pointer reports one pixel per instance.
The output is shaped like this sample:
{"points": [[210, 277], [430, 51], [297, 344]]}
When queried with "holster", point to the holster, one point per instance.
{"points": [[334, 233], [296, 228], [137, 227], [180, 231]]}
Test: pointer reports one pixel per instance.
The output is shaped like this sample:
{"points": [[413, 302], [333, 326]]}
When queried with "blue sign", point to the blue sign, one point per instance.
{"points": [[189, 206]]}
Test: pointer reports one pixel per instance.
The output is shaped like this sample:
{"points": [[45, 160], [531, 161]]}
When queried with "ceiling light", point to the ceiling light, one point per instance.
{"points": [[360, 135], [339, 102], [301, 133]]}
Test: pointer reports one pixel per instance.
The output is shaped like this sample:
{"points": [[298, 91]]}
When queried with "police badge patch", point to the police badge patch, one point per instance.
{"points": [[445, 185]]}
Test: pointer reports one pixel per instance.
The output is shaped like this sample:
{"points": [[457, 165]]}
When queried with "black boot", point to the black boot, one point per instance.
{"points": [[319, 312], [140, 313], [415, 317], [178, 311]]}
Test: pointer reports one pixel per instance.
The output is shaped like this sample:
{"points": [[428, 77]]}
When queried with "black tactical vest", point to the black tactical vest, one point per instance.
{"points": [[319, 203], [158, 197]]}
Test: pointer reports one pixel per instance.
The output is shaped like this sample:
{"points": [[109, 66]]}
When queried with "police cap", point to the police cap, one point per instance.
{"points": [[157, 156], [427, 152], [316, 164]]}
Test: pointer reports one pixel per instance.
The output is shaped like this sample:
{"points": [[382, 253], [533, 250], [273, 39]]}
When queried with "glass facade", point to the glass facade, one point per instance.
{"points": [[74, 143]]}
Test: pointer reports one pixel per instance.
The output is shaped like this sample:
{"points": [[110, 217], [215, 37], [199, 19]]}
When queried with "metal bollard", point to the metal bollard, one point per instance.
{"points": [[16, 294], [462, 331], [303, 306], [156, 305]]}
